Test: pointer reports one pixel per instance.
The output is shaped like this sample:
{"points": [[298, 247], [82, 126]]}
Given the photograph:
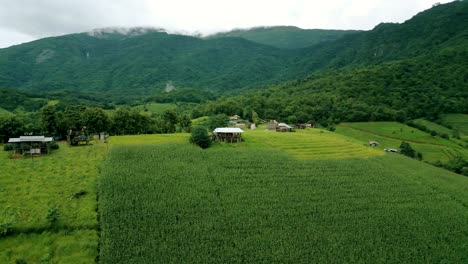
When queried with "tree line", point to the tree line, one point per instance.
{"points": [[50, 121]]}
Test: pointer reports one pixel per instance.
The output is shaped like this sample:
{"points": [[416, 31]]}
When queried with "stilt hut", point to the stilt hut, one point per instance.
{"points": [[34, 145], [228, 134]]}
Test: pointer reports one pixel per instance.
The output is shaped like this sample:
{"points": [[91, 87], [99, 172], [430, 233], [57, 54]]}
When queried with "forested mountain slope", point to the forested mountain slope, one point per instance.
{"points": [[440, 27], [139, 64], [288, 37], [425, 86]]}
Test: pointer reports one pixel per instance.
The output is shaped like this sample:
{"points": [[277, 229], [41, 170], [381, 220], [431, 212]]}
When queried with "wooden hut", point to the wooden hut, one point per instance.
{"points": [[228, 134], [283, 127], [272, 125], [33, 145]]}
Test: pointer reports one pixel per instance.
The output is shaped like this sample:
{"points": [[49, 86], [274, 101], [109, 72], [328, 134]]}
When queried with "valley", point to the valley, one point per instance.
{"points": [[353, 148]]}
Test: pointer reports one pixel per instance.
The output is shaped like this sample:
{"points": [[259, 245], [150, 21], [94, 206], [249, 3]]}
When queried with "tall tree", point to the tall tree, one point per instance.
{"points": [[49, 120]]}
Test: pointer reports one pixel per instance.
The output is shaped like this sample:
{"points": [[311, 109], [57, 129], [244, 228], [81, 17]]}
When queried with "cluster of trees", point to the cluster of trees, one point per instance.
{"points": [[52, 122], [457, 164], [407, 150]]}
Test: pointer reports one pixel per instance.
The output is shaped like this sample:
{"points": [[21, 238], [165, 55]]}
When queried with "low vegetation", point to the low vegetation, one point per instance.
{"points": [[48, 207], [434, 149], [178, 203]]}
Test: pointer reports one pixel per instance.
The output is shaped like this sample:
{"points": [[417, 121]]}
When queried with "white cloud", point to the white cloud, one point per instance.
{"points": [[23, 20]]}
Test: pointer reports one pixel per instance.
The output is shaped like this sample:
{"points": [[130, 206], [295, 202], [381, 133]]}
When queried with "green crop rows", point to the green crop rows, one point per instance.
{"points": [[175, 203], [310, 144]]}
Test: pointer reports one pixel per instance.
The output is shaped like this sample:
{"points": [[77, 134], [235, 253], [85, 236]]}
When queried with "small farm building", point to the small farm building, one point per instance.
{"points": [[228, 134], [272, 125], [283, 127], [373, 143], [279, 127], [31, 144]]}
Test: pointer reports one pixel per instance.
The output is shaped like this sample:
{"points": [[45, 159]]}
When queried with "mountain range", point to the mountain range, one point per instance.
{"points": [[116, 66]]}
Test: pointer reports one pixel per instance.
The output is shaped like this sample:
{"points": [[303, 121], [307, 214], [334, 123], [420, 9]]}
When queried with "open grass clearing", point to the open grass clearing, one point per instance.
{"points": [[30, 188], [457, 121], [79, 246], [155, 108]]}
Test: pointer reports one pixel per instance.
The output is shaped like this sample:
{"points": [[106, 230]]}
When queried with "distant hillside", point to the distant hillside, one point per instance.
{"points": [[128, 65], [287, 37], [425, 86], [139, 65], [440, 27]]}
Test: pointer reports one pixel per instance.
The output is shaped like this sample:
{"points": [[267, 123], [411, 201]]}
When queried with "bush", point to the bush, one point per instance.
{"points": [[54, 145], [464, 171], [6, 228], [7, 147], [419, 155], [200, 137], [444, 135], [52, 215], [407, 150]]}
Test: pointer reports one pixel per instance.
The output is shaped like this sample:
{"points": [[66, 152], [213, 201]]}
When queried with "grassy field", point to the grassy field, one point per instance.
{"points": [[391, 134], [156, 108], [434, 126], [457, 121], [176, 203], [63, 182]]}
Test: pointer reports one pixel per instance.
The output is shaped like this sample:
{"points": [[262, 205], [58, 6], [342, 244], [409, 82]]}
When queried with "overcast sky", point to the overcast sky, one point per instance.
{"points": [[27, 20]]}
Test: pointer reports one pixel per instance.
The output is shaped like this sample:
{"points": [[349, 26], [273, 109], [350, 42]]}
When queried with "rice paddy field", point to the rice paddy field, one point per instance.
{"points": [[391, 134], [177, 203], [309, 144]]}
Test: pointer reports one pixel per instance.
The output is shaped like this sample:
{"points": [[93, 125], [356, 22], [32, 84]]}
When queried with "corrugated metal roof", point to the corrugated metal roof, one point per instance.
{"points": [[30, 139], [228, 130], [284, 125]]}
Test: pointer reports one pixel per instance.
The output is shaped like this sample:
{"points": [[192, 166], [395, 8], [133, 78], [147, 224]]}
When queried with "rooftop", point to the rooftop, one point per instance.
{"points": [[30, 139], [228, 130]]}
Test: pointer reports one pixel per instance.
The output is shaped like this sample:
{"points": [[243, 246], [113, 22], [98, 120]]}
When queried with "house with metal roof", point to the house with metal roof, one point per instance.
{"points": [[33, 145], [228, 134]]}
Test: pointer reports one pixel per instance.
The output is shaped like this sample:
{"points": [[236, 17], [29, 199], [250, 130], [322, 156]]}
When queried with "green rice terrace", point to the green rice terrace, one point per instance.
{"points": [[310, 196], [391, 134]]}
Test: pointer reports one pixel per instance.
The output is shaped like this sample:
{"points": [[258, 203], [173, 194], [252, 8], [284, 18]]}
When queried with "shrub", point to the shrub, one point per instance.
{"points": [[52, 215], [200, 137], [54, 145], [407, 150], [464, 171], [6, 228], [7, 147], [419, 155]]}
